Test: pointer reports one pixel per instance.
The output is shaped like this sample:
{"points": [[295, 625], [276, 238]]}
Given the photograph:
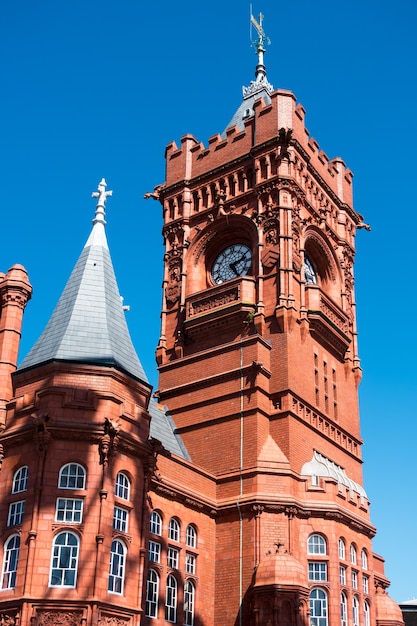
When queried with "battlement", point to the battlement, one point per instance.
{"points": [[193, 159]]}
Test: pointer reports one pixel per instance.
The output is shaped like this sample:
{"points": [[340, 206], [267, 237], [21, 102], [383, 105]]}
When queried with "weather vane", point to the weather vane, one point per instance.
{"points": [[262, 40]]}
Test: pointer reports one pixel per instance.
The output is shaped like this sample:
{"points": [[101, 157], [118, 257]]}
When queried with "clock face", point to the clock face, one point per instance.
{"points": [[234, 261]]}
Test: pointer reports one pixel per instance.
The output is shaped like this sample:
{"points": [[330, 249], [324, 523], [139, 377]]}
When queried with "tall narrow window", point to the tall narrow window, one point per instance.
{"points": [[366, 613], [341, 549], [190, 563], [355, 611], [16, 510], [154, 552], [189, 599], [20, 479], [353, 554], [120, 519], [155, 523], [171, 599], [191, 537], [152, 590], [316, 544], [364, 559], [71, 476], [318, 608], [10, 562], [117, 567], [173, 530], [122, 486], [64, 561], [343, 610]]}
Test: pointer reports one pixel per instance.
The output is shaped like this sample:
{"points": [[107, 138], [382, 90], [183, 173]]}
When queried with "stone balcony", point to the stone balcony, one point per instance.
{"points": [[231, 301]]}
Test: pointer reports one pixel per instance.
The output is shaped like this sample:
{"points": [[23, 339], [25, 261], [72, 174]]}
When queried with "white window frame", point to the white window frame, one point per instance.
{"points": [[354, 580], [122, 486], [355, 611], [171, 599], [353, 554], [366, 613], [316, 544], [72, 476], [120, 519], [69, 510], [154, 552], [173, 530], [365, 584], [364, 559], [152, 594], [173, 557], [155, 523], [190, 563], [16, 512], [343, 609], [10, 562], [189, 601], [341, 549], [20, 479], [64, 563], [191, 536], [318, 607], [317, 571], [117, 567]]}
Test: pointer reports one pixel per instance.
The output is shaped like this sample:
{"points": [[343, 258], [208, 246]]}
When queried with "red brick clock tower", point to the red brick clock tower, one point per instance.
{"points": [[259, 364]]}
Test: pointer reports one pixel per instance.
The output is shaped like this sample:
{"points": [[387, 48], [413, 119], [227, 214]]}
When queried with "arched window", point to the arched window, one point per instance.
{"points": [[343, 610], [20, 479], [366, 613], [155, 523], [171, 599], [117, 567], [310, 275], [173, 530], [152, 590], [318, 608], [341, 549], [10, 562], [191, 537], [189, 599], [64, 560], [71, 476], [353, 554], [316, 544], [355, 611], [364, 559], [122, 486]]}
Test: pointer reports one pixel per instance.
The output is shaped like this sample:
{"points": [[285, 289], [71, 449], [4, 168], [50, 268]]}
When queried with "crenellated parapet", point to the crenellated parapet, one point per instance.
{"points": [[261, 132]]}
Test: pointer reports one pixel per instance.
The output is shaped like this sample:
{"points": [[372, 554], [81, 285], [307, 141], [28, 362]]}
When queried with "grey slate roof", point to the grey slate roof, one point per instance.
{"points": [[245, 109], [88, 324], [163, 429]]}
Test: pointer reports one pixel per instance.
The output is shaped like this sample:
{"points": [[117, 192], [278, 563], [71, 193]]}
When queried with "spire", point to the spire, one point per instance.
{"points": [[258, 88], [88, 324]]}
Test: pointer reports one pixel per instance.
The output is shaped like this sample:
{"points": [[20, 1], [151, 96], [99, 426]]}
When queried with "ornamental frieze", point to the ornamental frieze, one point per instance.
{"points": [[204, 304], [58, 618], [112, 620]]}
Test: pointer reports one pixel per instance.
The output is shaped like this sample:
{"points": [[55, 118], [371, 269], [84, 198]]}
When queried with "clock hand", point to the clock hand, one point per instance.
{"points": [[233, 267]]}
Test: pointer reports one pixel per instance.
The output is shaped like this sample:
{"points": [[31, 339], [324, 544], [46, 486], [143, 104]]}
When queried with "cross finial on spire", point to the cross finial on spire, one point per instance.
{"points": [[102, 196]]}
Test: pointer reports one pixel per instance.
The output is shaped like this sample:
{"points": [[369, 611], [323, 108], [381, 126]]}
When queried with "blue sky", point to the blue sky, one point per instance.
{"points": [[98, 88]]}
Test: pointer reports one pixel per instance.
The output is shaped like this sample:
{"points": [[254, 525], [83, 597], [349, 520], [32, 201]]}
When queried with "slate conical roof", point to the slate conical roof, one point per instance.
{"points": [[88, 324]]}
